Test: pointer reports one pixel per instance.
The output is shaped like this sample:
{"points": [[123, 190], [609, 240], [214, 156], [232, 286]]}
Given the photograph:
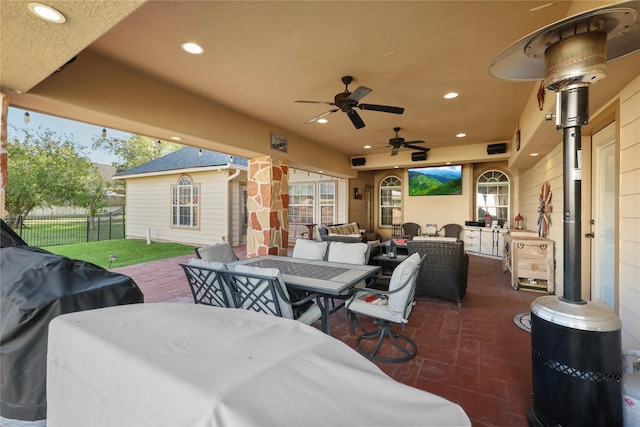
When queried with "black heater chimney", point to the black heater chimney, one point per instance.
{"points": [[576, 346]]}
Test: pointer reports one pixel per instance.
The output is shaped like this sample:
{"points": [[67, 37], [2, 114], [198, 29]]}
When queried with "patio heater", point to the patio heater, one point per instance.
{"points": [[575, 344]]}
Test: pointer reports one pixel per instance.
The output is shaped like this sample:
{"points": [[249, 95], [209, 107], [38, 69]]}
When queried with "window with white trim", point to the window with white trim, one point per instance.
{"points": [[390, 201], [492, 196], [312, 203], [327, 191], [185, 203]]}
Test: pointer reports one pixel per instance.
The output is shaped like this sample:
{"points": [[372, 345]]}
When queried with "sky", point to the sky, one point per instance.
{"points": [[81, 133]]}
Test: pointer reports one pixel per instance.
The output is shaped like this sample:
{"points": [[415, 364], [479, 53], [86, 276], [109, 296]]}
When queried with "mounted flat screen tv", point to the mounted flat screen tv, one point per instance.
{"points": [[435, 180]]}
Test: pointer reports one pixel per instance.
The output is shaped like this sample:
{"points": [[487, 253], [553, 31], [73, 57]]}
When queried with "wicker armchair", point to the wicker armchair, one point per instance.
{"points": [[444, 273]]}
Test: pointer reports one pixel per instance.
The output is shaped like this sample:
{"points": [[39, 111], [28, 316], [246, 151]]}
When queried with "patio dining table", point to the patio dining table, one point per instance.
{"points": [[328, 279]]}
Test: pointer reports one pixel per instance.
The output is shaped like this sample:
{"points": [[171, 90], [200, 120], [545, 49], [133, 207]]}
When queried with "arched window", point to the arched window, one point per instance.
{"points": [[185, 203], [492, 196], [390, 201]]}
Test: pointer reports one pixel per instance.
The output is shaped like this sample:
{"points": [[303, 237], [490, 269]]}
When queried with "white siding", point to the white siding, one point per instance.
{"points": [[149, 209], [549, 168], [629, 260]]}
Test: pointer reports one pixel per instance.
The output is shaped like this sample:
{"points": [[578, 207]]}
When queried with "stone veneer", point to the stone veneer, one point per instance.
{"points": [[268, 206]]}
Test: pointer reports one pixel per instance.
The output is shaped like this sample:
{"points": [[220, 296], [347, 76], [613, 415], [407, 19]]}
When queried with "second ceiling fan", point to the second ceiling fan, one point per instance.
{"points": [[398, 142], [346, 101]]}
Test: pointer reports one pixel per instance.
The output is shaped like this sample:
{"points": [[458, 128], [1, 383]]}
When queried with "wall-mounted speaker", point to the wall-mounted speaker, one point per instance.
{"points": [[358, 161], [418, 156], [497, 148]]}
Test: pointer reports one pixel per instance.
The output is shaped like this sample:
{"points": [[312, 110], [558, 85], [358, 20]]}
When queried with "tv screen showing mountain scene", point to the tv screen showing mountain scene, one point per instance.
{"points": [[435, 181]]}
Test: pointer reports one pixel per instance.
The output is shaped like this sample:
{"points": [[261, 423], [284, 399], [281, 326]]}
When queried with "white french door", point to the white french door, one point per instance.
{"points": [[603, 216]]}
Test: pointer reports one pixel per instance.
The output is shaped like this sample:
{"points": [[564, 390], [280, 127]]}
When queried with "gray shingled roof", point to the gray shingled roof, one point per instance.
{"points": [[184, 158]]}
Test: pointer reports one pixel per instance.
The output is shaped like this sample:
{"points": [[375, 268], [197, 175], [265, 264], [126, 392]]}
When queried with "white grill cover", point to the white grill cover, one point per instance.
{"points": [[171, 364]]}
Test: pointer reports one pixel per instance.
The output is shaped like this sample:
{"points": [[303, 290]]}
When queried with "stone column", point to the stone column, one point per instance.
{"points": [[268, 206]]}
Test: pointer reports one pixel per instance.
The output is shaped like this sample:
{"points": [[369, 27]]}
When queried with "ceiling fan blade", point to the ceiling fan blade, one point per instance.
{"points": [[316, 118], [417, 141], [355, 119], [395, 151], [317, 102], [383, 108], [359, 93], [415, 147]]}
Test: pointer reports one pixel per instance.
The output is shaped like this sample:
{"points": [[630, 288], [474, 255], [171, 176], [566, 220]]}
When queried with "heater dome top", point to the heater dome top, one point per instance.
{"points": [[524, 59]]}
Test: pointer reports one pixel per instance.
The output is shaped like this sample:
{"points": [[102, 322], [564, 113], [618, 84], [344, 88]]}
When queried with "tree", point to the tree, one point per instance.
{"points": [[134, 151], [46, 169]]}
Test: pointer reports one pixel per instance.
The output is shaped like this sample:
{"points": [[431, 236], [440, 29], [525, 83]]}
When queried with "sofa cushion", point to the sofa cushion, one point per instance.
{"points": [[435, 238]]}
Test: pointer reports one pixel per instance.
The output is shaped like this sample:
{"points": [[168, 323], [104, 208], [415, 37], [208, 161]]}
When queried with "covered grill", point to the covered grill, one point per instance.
{"points": [[37, 286]]}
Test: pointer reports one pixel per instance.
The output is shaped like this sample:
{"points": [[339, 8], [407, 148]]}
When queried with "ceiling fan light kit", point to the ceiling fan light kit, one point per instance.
{"points": [[346, 102]]}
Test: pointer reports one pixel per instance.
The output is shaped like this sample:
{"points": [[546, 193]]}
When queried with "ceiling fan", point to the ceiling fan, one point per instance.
{"points": [[398, 142], [347, 101]]}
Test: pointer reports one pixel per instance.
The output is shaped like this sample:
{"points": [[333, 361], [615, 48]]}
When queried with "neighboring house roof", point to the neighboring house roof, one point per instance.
{"points": [[185, 158]]}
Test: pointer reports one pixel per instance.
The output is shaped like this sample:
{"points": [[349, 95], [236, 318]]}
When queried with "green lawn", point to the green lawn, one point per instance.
{"points": [[127, 252]]}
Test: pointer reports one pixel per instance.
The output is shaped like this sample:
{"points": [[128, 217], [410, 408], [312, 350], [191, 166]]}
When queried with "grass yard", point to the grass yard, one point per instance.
{"points": [[127, 251]]}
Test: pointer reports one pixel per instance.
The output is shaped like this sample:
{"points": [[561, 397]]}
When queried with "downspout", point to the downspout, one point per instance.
{"points": [[229, 226]]}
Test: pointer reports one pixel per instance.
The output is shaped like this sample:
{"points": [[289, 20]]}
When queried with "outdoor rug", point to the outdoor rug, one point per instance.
{"points": [[523, 321]]}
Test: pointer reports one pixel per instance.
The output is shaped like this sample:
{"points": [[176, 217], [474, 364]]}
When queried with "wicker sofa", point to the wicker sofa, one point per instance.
{"points": [[444, 272], [350, 233]]}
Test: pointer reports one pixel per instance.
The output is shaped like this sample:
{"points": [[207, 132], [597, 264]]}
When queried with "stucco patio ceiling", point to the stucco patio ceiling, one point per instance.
{"points": [[260, 57]]}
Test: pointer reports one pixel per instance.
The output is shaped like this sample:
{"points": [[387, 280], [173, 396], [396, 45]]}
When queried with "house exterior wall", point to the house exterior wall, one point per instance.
{"points": [[549, 168], [629, 222], [149, 209]]}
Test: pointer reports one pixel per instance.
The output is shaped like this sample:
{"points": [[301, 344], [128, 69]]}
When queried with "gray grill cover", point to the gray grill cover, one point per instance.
{"points": [[36, 287]]}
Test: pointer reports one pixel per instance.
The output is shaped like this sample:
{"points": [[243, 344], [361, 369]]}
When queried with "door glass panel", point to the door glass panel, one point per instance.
{"points": [[604, 227]]}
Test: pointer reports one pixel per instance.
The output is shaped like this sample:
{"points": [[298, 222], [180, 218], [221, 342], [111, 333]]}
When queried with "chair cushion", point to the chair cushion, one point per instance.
{"points": [[348, 253], [222, 252], [210, 264], [285, 308], [402, 273], [358, 304], [309, 249]]}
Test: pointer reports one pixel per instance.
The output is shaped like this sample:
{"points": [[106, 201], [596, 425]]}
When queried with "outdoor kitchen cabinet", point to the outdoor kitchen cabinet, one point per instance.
{"points": [[484, 241]]}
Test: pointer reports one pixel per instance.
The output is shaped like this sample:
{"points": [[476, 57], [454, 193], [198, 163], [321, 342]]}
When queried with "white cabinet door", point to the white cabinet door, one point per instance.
{"points": [[492, 242], [487, 242], [472, 240]]}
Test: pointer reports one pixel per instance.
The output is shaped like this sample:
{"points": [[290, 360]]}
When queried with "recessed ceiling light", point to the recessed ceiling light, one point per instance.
{"points": [[448, 163], [192, 48], [451, 95], [396, 167], [176, 138], [320, 171], [322, 120], [533, 154], [367, 146], [47, 13], [461, 135]]}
